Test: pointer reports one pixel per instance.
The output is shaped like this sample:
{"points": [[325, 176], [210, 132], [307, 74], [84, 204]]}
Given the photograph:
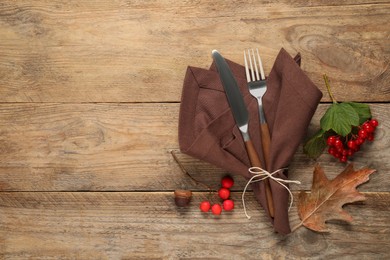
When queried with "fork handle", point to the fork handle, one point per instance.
{"points": [[266, 143], [255, 162], [266, 146]]}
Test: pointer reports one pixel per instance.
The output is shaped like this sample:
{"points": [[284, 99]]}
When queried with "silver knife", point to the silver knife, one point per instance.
{"points": [[241, 116]]}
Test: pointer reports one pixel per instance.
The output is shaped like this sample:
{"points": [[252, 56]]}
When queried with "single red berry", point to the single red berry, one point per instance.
{"points": [[374, 122], [370, 137], [345, 152], [351, 144], [227, 182], [216, 209], [362, 134], [228, 205], [205, 206], [340, 149], [343, 158], [332, 150], [338, 143], [331, 140], [224, 193], [351, 152]]}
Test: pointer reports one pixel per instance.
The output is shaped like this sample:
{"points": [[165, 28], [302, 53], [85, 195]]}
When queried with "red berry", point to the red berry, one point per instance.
{"points": [[359, 141], [350, 152], [332, 150], [374, 122], [351, 144], [344, 153], [343, 158], [362, 134], [227, 182], [224, 193], [205, 206], [338, 143], [337, 155], [368, 127], [216, 209], [228, 205], [331, 140], [370, 137], [340, 149]]}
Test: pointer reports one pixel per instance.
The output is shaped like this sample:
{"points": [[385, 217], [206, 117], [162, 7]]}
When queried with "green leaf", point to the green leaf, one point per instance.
{"points": [[363, 111], [315, 145], [340, 117]]}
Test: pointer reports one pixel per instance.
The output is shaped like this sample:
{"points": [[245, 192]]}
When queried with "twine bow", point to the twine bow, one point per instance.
{"points": [[261, 174]]}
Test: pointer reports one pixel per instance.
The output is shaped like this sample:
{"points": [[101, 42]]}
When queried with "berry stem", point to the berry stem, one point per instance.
{"points": [[328, 88], [188, 174]]}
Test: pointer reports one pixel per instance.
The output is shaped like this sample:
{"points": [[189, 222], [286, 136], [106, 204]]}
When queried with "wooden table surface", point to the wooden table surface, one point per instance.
{"points": [[89, 103]]}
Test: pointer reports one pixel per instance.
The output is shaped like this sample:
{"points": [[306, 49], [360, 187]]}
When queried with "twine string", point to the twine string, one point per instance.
{"points": [[260, 174]]}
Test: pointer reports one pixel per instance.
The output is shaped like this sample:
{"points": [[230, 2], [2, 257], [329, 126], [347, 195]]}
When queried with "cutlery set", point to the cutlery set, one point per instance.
{"points": [[257, 88]]}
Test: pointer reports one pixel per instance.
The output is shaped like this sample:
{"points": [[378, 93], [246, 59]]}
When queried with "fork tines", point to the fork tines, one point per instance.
{"points": [[255, 65]]}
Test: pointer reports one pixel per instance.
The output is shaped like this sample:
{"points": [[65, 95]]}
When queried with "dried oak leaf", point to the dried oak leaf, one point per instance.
{"points": [[327, 197]]}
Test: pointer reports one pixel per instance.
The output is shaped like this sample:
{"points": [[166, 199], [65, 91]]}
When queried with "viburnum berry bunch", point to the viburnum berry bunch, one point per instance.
{"points": [[343, 147], [224, 194], [345, 127]]}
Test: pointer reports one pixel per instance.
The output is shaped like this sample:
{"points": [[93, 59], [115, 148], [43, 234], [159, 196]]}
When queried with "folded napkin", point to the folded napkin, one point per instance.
{"points": [[207, 129]]}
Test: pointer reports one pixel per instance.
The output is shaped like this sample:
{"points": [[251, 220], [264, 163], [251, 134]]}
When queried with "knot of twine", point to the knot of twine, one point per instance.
{"points": [[260, 174]]}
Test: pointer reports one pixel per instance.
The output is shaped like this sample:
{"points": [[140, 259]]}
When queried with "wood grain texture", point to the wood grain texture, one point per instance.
{"points": [[89, 103], [137, 51], [73, 147], [123, 225]]}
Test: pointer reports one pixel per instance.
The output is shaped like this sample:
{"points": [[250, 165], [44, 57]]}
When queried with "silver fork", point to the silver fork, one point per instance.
{"points": [[257, 87], [256, 82]]}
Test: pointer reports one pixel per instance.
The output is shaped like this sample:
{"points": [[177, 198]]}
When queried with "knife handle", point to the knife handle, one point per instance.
{"points": [[255, 162]]}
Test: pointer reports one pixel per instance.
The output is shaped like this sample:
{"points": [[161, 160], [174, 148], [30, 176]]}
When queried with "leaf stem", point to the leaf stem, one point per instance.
{"points": [[296, 227], [328, 88]]}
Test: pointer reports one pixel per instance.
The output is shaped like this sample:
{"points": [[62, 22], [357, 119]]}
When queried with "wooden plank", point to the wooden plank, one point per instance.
{"points": [[73, 147], [136, 51], [120, 225]]}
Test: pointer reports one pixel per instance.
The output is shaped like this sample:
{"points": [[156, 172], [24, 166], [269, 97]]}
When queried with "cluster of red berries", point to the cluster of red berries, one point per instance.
{"points": [[343, 147], [223, 193]]}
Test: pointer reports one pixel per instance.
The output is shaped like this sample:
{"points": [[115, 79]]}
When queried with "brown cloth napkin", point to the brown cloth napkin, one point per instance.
{"points": [[207, 129]]}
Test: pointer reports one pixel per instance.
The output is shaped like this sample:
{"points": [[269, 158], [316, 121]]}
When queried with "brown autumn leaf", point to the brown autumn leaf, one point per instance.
{"points": [[327, 197]]}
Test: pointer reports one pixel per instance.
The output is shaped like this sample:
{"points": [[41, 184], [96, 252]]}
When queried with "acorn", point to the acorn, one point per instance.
{"points": [[182, 197]]}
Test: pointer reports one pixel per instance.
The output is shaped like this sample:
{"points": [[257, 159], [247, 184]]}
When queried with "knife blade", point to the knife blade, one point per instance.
{"points": [[241, 116]]}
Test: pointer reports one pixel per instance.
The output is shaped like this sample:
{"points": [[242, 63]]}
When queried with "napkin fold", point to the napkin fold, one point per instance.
{"points": [[207, 129]]}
